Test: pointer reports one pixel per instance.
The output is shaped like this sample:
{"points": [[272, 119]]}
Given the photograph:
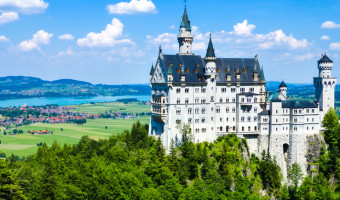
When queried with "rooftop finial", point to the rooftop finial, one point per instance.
{"points": [[160, 49]]}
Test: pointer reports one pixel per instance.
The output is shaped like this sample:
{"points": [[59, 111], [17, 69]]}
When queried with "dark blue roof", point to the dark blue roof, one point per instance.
{"points": [[283, 84], [210, 50], [298, 104], [185, 20], [324, 59], [245, 67]]}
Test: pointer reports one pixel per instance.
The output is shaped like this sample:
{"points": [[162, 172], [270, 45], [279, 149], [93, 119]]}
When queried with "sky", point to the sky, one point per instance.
{"points": [[116, 42]]}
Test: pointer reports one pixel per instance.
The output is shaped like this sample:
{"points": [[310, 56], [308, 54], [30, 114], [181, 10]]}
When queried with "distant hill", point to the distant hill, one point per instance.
{"points": [[23, 87]]}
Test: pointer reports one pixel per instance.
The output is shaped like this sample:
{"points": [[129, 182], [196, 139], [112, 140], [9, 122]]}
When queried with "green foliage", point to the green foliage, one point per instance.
{"points": [[295, 173], [269, 172]]}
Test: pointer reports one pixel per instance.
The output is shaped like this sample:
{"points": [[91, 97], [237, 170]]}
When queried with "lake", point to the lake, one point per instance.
{"points": [[67, 100]]}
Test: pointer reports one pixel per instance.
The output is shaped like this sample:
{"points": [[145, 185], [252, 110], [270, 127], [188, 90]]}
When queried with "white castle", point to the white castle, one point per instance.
{"points": [[219, 96]]}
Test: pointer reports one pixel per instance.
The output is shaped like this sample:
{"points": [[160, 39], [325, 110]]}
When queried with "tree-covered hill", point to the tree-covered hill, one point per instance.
{"points": [[134, 166]]}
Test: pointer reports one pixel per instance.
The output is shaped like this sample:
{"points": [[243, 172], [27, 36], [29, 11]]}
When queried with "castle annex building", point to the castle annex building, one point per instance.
{"points": [[218, 96]]}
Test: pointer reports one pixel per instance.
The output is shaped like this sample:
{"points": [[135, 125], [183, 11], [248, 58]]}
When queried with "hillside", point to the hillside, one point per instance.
{"points": [[13, 87]]}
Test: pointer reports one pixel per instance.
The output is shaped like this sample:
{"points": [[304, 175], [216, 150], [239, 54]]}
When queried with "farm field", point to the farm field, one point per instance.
{"points": [[26, 144], [136, 107]]}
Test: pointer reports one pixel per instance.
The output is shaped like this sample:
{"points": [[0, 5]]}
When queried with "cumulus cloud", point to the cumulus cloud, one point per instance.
{"points": [[106, 38], [324, 37], [334, 46], [39, 38], [330, 24], [132, 7], [7, 17], [244, 28], [67, 52], [66, 37], [3, 38], [25, 6], [167, 40], [279, 38]]}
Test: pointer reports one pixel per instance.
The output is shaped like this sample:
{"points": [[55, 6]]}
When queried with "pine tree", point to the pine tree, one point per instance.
{"points": [[9, 188]]}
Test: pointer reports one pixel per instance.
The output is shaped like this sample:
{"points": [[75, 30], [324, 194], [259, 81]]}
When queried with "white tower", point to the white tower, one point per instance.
{"points": [[325, 85], [283, 89], [185, 37]]}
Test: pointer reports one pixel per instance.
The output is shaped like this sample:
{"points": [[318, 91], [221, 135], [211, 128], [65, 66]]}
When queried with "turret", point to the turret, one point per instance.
{"points": [[210, 60], [325, 66], [283, 88], [185, 37], [152, 71]]}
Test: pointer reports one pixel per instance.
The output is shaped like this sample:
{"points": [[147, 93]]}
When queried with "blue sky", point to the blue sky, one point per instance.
{"points": [[115, 42]]}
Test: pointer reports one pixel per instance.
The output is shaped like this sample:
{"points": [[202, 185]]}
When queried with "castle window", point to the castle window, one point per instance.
{"points": [[202, 100], [295, 111], [171, 64], [233, 100], [212, 109], [312, 110], [255, 109], [189, 110], [218, 70], [233, 119], [251, 89], [295, 128], [226, 70], [197, 90], [186, 90], [186, 101], [307, 119], [255, 100], [211, 98], [295, 120], [220, 119], [242, 100], [223, 90], [221, 100], [197, 130], [249, 128], [235, 70], [180, 64], [249, 119], [178, 90], [197, 100], [178, 111], [189, 120], [197, 65], [242, 89], [234, 110], [197, 110], [242, 128], [255, 128], [178, 70], [227, 100], [212, 119], [242, 119], [203, 120], [227, 119], [255, 119], [187, 70], [178, 101], [234, 128], [203, 90], [312, 119], [204, 130], [233, 90], [197, 121], [178, 121], [244, 71], [248, 100], [307, 111], [196, 70], [227, 110], [203, 110]]}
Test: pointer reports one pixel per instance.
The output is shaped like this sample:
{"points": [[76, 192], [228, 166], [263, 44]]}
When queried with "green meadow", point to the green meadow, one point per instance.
{"points": [[26, 144]]}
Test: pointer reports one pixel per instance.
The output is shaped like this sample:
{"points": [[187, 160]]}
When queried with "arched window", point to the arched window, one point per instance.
{"points": [[203, 110], [197, 100], [255, 109], [234, 110], [227, 109], [255, 100], [189, 120], [203, 120], [178, 101], [242, 119], [249, 128], [178, 111], [242, 100], [255, 119], [189, 110], [255, 128], [211, 98], [218, 110], [178, 90], [197, 110], [249, 119]]}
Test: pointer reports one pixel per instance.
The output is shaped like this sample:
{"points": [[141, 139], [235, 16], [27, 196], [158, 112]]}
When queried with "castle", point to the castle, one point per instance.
{"points": [[219, 96]]}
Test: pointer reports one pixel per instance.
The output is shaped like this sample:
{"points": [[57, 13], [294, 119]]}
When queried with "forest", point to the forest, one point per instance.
{"points": [[133, 165]]}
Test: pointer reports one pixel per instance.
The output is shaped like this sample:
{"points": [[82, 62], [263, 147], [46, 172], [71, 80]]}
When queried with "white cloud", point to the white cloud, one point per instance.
{"points": [[334, 46], [25, 6], [324, 37], [40, 38], [330, 24], [307, 56], [66, 37], [244, 28], [167, 40], [132, 7], [67, 52], [3, 38], [279, 38], [106, 38], [7, 17], [172, 27]]}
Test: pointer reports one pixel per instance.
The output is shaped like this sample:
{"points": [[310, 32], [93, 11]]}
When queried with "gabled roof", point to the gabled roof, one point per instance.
{"points": [[210, 50], [185, 20], [283, 84], [324, 59]]}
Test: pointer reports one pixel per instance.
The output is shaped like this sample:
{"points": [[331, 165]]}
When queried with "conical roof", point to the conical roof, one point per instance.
{"points": [[185, 20], [283, 84], [324, 59], [262, 75], [152, 70], [210, 50]]}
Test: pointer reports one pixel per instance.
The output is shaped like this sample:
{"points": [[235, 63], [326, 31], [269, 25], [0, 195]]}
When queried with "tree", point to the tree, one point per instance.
{"points": [[9, 188], [295, 173], [331, 119], [269, 172]]}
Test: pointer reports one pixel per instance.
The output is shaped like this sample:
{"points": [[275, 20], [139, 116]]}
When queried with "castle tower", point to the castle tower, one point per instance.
{"points": [[283, 88], [185, 37], [210, 61], [325, 85]]}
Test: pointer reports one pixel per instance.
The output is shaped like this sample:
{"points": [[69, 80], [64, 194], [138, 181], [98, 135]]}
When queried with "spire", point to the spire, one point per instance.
{"points": [[185, 20], [210, 50], [262, 75], [152, 70], [160, 49], [283, 84]]}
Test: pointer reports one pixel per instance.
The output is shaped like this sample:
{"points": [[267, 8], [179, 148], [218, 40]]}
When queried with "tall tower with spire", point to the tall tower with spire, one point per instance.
{"points": [[325, 85], [210, 60], [185, 37]]}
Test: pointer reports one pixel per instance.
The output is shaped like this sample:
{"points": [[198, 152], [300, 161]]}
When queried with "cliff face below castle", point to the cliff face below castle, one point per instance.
{"points": [[313, 145]]}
